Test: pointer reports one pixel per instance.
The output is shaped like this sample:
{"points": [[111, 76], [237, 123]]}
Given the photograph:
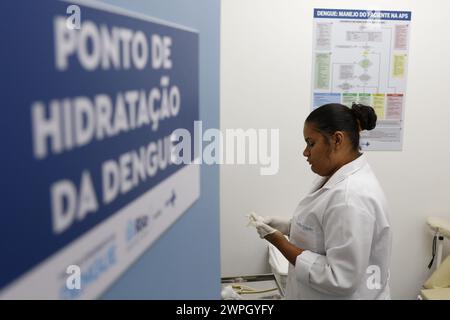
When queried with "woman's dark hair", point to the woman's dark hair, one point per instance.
{"points": [[333, 117]]}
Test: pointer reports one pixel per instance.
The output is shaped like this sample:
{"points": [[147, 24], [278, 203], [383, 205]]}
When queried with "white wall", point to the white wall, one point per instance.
{"points": [[266, 49]]}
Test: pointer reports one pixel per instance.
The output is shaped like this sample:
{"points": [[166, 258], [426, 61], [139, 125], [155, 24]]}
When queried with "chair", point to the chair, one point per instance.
{"points": [[437, 286]]}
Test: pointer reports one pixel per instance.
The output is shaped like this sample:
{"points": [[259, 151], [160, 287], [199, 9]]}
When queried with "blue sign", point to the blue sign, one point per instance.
{"points": [[89, 101], [362, 14]]}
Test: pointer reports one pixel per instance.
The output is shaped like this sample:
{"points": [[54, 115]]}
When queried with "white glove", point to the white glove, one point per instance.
{"points": [[280, 223], [263, 229]]}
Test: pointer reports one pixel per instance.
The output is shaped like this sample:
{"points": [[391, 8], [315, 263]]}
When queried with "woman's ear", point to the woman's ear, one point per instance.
{"points": [[338, 139]]}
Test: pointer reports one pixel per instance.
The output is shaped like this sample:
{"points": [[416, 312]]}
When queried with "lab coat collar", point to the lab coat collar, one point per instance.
{"points": [[345, 171]]}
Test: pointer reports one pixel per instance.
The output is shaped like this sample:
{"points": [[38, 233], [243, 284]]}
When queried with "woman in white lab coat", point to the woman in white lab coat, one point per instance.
{"points": [[339, 236]]}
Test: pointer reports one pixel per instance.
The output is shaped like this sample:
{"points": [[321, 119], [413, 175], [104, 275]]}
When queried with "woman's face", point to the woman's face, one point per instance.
{"points": [[318, 151]]}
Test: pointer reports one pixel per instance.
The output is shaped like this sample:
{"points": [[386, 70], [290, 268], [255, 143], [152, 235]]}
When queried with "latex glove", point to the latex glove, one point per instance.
{"points": [[280, 223], [263, 229]]}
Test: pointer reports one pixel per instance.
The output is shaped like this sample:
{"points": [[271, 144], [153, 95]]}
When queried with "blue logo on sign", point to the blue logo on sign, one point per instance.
{"points": [[134, 227]]}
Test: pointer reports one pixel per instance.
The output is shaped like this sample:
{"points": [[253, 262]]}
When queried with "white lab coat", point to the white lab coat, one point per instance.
{"points": [[345, 231]]}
